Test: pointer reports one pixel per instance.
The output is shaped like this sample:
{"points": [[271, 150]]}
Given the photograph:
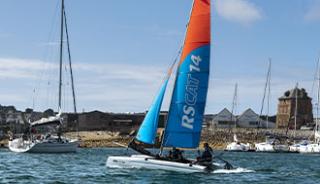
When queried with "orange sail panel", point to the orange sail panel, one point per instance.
{"points": [[198, 33]]}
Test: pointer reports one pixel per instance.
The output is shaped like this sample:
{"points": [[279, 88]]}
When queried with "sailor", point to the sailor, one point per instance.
{"points": [[206, 157], [176, 154]]}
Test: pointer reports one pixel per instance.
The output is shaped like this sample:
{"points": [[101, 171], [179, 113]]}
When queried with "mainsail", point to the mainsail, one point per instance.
{"points": [[149, 126], [188, 101]]}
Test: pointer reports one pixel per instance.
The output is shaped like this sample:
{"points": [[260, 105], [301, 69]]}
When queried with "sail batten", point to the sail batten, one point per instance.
{"points": [[188, 101]]}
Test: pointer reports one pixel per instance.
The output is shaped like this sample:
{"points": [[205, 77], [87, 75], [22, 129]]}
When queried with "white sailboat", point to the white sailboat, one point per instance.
{"points": [[236, 145], [184, 123], [314, 147], [47, 143], [272, 144]]}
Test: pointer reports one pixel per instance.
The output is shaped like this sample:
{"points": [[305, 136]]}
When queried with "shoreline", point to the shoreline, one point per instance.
{"points": [[217, 138]]}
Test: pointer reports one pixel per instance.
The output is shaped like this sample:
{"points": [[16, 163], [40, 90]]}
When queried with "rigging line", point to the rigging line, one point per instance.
{"points": [[71, 75], [39, 81], [70, 63]]}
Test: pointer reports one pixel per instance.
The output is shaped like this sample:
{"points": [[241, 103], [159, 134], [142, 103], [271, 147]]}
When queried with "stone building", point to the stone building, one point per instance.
{"points": [[287, 107]]}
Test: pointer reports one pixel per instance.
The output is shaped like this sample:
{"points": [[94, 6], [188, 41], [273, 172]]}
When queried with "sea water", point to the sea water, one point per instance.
{"points": [[88, 166]]}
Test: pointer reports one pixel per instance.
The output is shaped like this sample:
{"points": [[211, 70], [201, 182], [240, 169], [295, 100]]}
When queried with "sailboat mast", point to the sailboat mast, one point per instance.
{"points": [[61, 53], [318, 100], [265, 91], [234, 104], [268, 95], [162, 137], [296, 111]]}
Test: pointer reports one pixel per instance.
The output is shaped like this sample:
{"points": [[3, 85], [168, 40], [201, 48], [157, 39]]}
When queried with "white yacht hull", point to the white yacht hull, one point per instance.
{"points": [[143, 161], [266, 147], [237, 147], [294, 148], [20, 146], [310, 148]]}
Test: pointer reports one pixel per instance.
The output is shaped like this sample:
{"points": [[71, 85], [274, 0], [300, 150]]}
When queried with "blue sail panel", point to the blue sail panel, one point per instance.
{"points": [[148, 129], [183, 128]]}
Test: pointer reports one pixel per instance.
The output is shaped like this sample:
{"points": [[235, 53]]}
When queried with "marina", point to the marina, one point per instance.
{"points": [[199, 93]]}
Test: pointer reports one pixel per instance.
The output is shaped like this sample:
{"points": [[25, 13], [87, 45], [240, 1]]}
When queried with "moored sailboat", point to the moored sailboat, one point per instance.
{"points": [[272, 143], [315, 146], [236, 145], [35, 143], [184, 123]]}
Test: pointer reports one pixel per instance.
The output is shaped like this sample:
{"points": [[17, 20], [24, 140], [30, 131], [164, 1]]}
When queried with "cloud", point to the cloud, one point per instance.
{"points": [[21, 68], [313, 12], [113, 87], [48, 44], [121, 87], [240, 11]]}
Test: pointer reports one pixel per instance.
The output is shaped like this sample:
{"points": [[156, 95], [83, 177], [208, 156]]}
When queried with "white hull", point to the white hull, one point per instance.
{"points": [[294, 148], [264, 147], [309, 148], [237, 147], [143, 161], [20, 146]]}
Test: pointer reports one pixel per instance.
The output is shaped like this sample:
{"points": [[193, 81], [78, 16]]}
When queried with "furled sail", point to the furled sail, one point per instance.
{"points": [[148, 129], [188, 101]]}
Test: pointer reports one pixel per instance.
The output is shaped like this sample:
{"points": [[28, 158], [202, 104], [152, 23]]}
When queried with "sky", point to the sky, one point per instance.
{"points": [[121, 50]]}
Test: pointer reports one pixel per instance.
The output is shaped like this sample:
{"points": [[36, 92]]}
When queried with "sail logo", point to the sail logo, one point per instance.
{"points": [[191, 94]]}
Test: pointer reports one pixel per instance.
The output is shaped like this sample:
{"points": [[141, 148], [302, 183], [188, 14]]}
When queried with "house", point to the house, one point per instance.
{"points": [[224, 119], [248, 119]]}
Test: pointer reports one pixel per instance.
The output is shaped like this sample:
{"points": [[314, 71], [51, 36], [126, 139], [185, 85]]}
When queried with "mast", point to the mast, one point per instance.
{"points": [[179, 54], [61, 53], [268, 96], [266, 86], [234, 104], [296, 110], [317, 106]]}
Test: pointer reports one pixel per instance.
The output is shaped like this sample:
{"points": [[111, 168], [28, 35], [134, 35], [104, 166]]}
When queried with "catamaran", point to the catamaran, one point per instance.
{"points": [[184, 122], [47, 143]]}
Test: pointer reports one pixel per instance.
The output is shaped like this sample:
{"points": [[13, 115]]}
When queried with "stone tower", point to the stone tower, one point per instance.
{"points": [[287, 106]]}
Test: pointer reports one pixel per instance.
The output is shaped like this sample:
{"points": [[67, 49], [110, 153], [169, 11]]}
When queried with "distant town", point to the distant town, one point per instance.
{"points": [[289, 116]]}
